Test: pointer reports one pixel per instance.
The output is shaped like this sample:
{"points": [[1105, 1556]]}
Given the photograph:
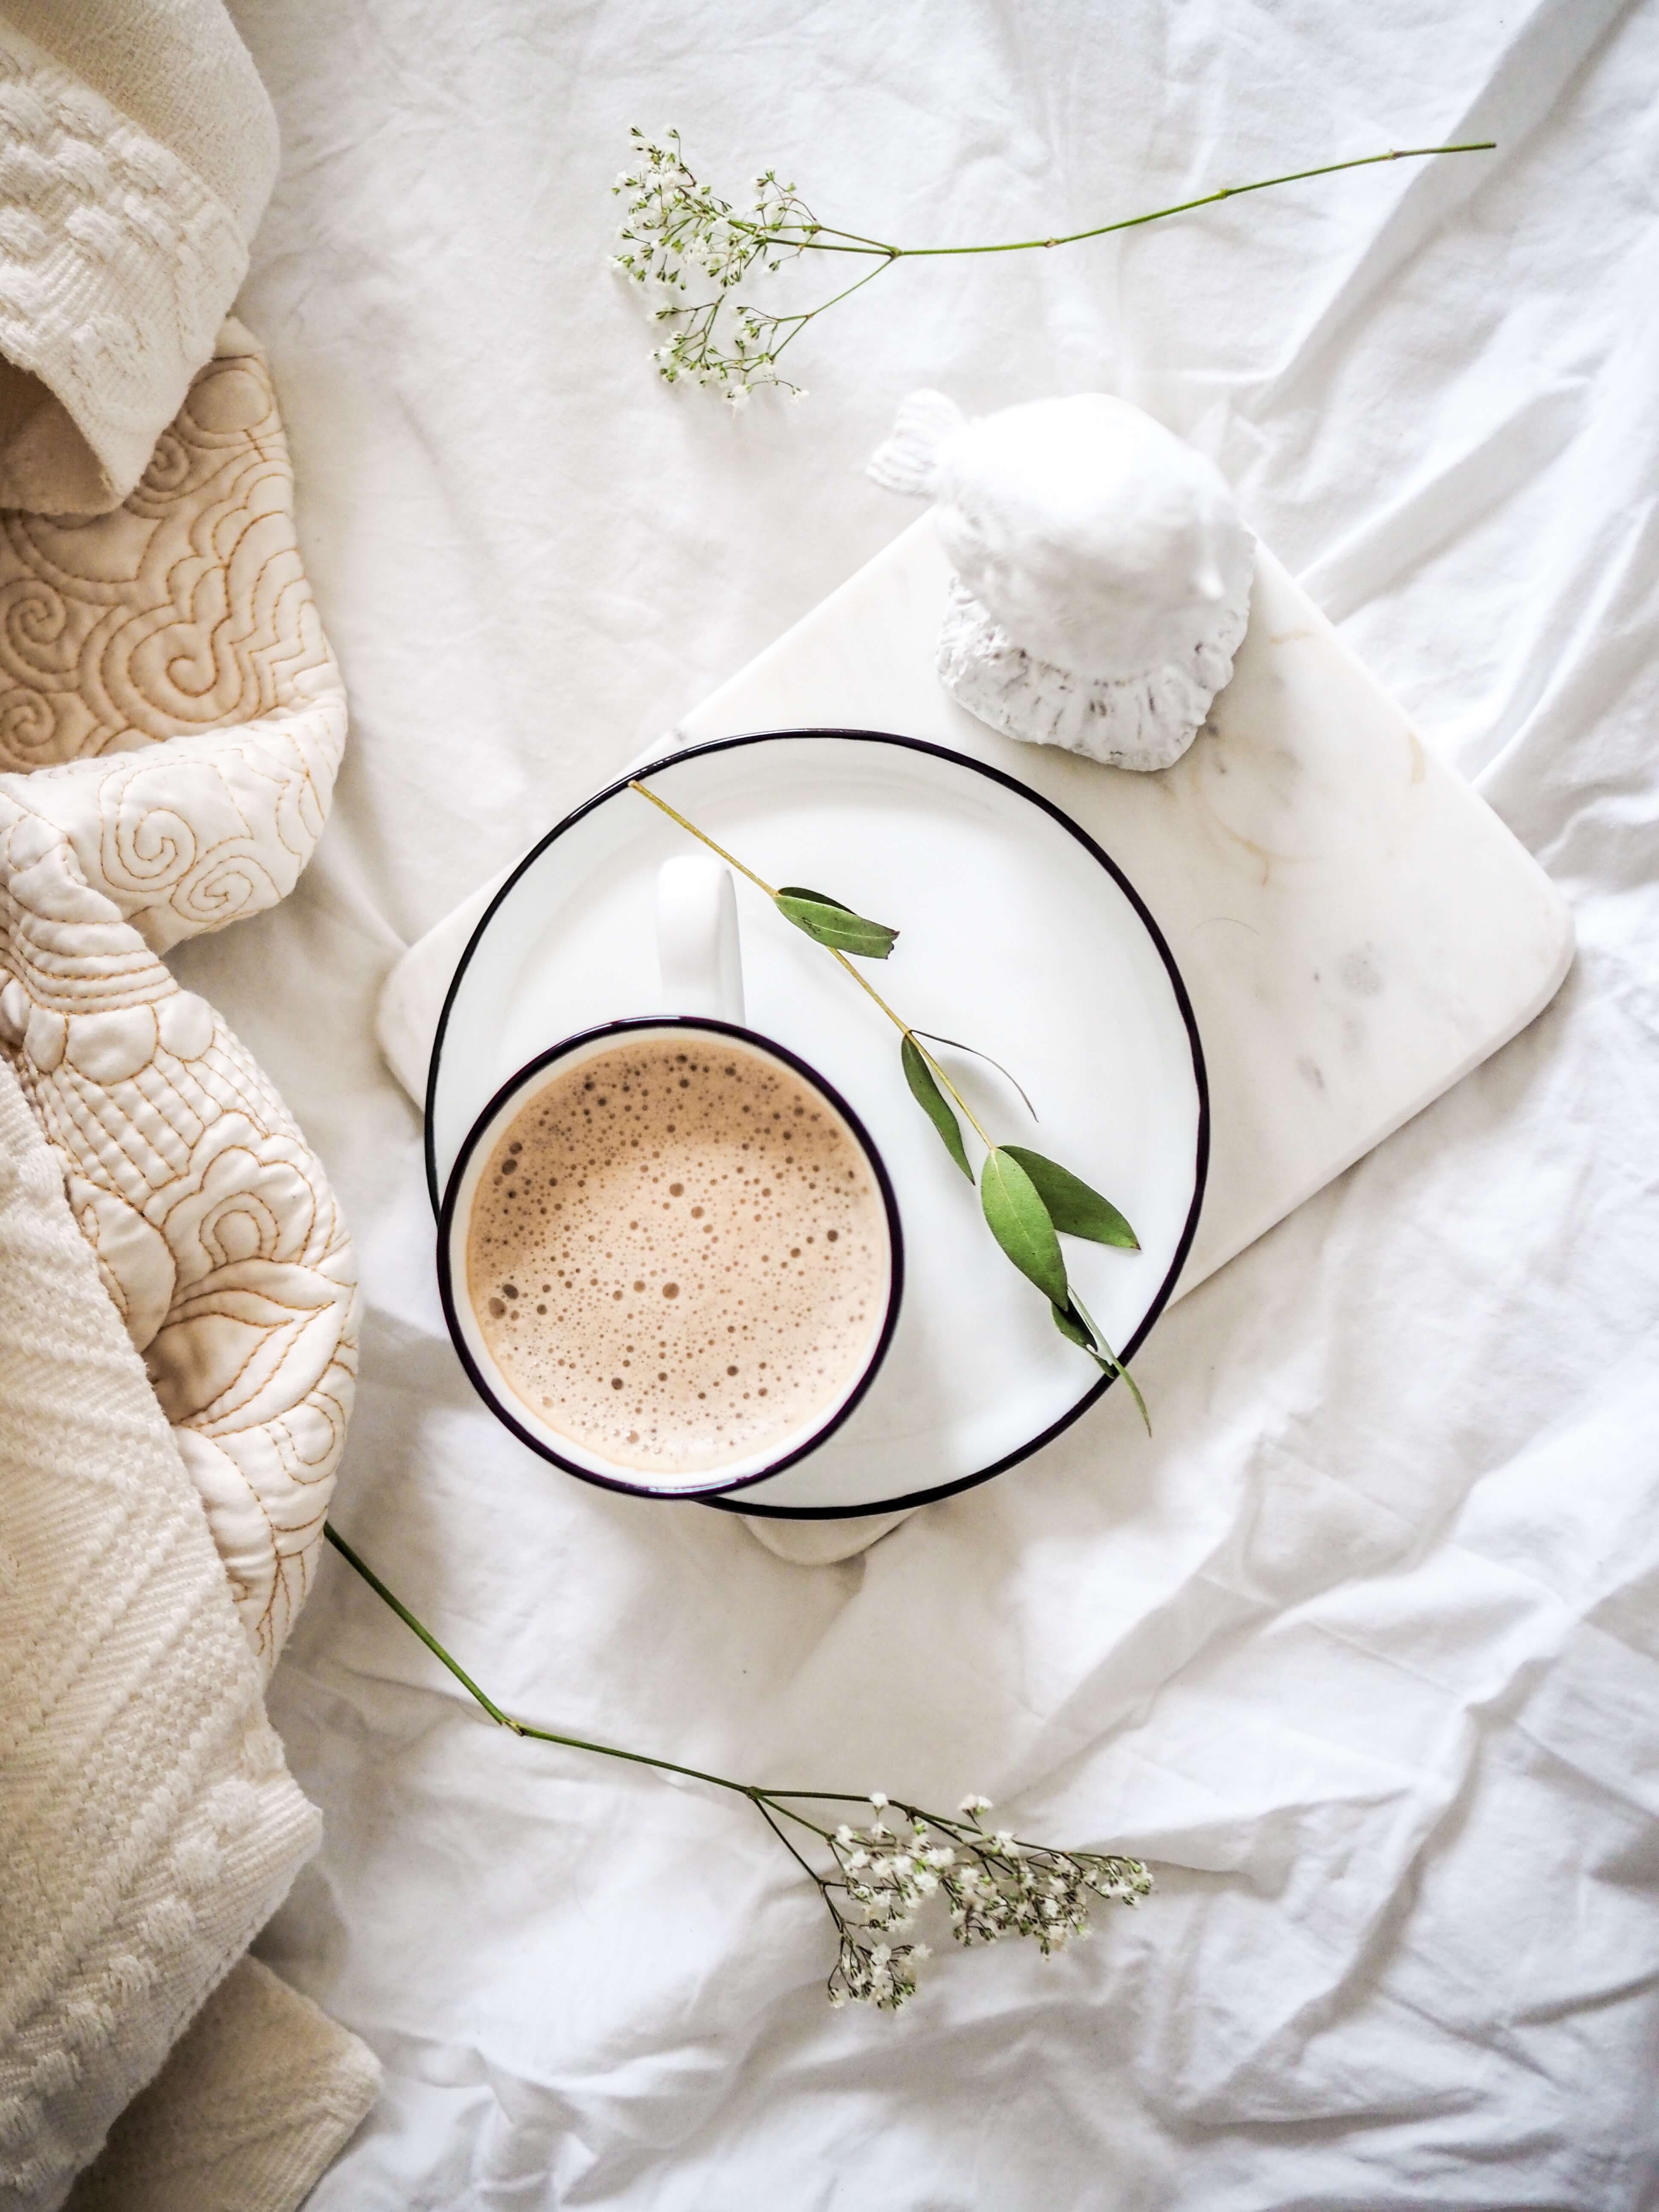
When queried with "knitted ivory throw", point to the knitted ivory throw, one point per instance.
{"points": [[138, 149], [251, 2107], [147, 1823]]}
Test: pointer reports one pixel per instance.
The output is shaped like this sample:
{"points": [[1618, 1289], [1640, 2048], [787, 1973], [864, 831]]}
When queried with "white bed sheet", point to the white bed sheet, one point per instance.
{"points": [[1363, 1647]]}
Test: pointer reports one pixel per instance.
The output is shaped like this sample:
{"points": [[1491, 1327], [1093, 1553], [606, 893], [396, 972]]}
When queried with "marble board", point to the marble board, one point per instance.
{"points": [[1356, 928]]}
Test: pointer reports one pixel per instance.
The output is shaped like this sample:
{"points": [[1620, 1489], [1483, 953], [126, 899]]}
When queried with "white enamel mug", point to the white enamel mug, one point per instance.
{"points": [[700, 957]]}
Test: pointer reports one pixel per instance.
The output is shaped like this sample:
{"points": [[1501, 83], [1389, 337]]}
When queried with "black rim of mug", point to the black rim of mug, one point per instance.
{"points": [[523, 1081]]}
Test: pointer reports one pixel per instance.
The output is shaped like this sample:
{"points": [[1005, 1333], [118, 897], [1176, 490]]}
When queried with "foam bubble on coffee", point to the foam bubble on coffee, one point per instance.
{"points": [[677, 1255]]}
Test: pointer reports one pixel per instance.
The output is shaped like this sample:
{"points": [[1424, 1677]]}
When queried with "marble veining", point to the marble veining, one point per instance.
{"points": [[1356, 926]]}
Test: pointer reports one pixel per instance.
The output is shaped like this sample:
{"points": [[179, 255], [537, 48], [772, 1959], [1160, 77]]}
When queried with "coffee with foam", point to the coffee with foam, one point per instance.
{"points": [[677, 1255]]}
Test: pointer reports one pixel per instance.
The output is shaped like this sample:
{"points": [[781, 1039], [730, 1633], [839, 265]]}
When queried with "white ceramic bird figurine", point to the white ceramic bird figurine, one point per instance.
{"points": [[1102, 571]]}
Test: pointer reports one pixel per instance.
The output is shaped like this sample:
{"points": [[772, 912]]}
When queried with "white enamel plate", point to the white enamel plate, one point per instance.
{"points": [[1018, 934]]}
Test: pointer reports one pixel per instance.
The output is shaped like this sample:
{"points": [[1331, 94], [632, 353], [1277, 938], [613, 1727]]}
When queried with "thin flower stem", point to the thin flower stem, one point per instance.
{"points": [[388, 1598], [897, 1020], [811, 243], [900, 1024], [817, 236], [701, 837], [796, 237], [764, 1810], [758, 1793], [1185, 207], [866, 1967], [825, 1797], [801, 321], [773, 1798], [505, 1719], [1208, 199], [677, 226], [880, 245]]}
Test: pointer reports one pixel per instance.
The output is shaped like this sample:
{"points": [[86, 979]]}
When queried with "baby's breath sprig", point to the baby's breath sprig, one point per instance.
{"points": [[992, 1884], [882, 1873], [1028, 1201], [676, 223]]}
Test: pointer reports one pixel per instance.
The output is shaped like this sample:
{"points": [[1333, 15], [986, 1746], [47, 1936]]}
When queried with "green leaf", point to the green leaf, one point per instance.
{"points": [[1078, 1327], [1073, 1207], [956, 1045], [924, 1088], [1019, 1221], [819, 898], [826, 922], [1072, 1328]]}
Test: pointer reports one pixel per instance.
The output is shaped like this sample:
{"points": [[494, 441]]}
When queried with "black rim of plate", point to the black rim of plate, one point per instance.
{"points": [[740, 1502], [522, 1081]]}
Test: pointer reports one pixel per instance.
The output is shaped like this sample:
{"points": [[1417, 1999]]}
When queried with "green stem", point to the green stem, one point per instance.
{"points": [[1110, 1359], [817, 237], [762, 1806], [760, 884], [389, 1597], [506, 1720], [879, 245], [701, 835], [814, 244], [801, 321], [1185, 207], [905, 1030], [756, 1794], [796, 237], [766, 1802]]}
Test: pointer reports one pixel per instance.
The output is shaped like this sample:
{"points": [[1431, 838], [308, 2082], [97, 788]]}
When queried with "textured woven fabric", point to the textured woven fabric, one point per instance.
{"points": [[118, 259], [177, 69], [257, 2098], [148, 1823]]}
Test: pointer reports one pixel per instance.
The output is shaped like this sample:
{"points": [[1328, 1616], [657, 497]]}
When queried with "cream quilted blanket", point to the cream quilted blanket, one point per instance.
{"points": [[171, 721]]}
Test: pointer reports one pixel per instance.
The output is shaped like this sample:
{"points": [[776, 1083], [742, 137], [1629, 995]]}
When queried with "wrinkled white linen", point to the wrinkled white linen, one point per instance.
{"points": [[1361, 1648]]}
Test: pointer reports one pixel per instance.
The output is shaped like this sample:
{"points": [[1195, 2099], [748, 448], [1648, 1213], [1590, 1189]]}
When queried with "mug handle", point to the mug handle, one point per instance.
{"points": [[699, 954]]}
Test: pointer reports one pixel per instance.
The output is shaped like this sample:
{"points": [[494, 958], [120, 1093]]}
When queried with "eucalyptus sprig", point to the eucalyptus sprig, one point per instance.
{"points": [[1028, 1201], [880, 1875], [731, 345]]}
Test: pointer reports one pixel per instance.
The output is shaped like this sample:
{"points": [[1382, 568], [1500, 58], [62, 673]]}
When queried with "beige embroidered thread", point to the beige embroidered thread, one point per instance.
{"points": [[172, 721]]}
